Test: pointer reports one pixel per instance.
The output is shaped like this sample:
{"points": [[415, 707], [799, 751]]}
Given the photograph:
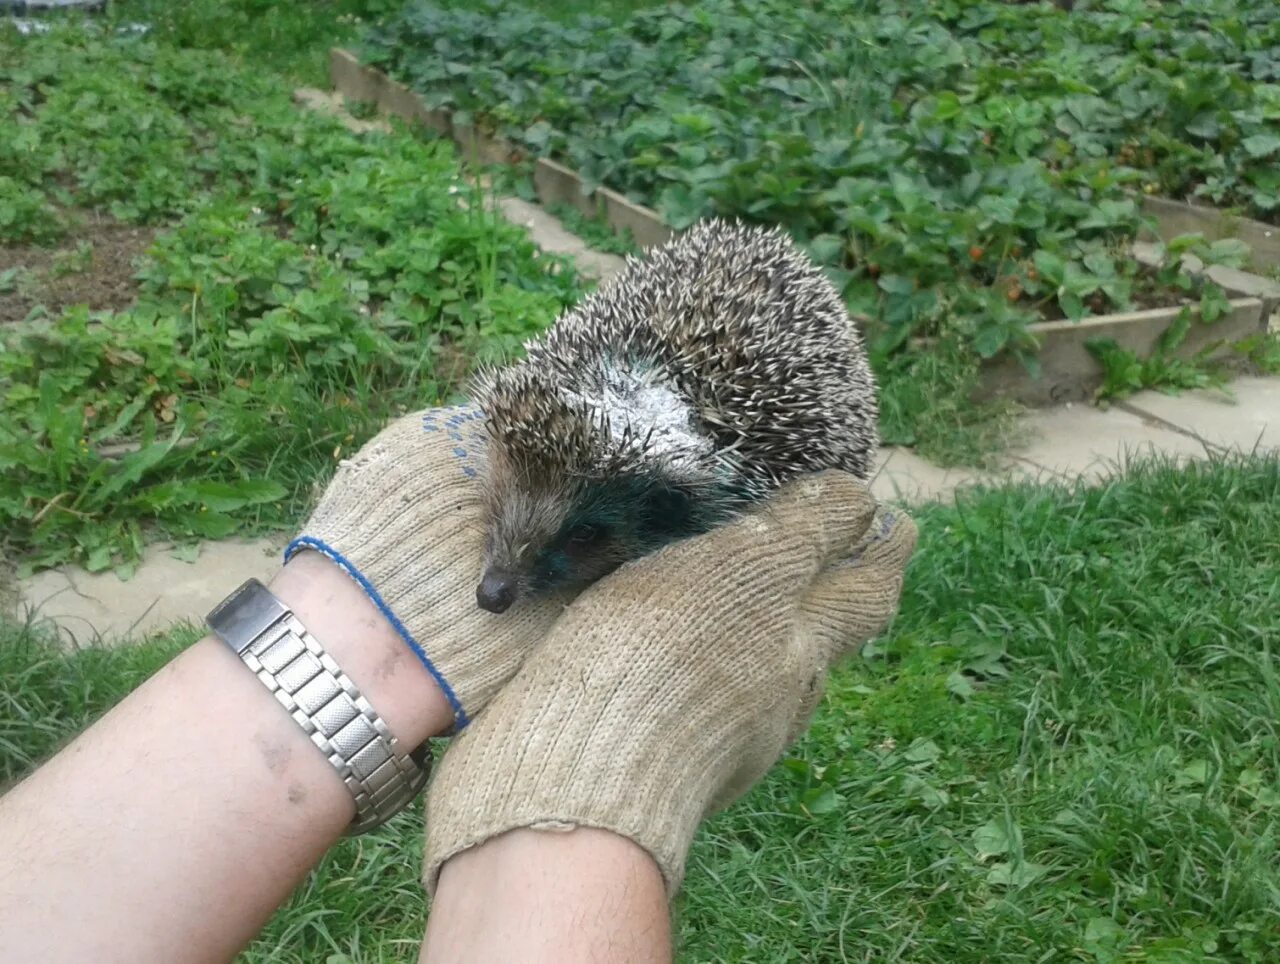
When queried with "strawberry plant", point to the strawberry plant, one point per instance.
{"points": [[963, 169]]}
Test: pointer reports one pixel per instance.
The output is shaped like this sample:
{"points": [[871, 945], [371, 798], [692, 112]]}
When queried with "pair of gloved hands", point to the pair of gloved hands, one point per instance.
{"points": [[660, 695]]}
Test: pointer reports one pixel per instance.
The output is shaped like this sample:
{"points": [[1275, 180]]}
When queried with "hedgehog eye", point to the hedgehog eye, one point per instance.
{"points": [[584, 534]]}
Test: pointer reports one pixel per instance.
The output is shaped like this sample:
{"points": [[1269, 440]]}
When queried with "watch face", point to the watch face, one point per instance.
{"points": [[240, 618]]}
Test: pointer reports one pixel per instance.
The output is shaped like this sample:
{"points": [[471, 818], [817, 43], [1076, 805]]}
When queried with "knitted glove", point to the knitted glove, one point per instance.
{"points": [[403, 518], [669, 688]]}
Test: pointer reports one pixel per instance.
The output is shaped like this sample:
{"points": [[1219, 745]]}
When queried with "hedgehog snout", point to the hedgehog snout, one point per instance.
{"points": [[497, 590]]}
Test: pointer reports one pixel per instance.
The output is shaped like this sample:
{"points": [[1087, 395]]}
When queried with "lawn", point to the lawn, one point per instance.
{"points": [[1066, 748]]}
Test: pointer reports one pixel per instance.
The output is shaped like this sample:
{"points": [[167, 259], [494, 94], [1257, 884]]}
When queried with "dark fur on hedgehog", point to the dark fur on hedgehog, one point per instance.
{"points": [[688, 387]]}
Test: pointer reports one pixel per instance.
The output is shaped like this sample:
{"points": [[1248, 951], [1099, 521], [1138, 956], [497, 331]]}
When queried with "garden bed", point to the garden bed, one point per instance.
{"points": [[1068, 369], [1175, 218], [970, 174], [554, 183], [96, 269]]}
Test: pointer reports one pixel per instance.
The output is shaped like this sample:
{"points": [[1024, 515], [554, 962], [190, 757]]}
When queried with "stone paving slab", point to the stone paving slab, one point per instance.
{"points": [[1079, 441], [1251, 418], [88, 607], [902, 476], [550, 235], [331, 102]]}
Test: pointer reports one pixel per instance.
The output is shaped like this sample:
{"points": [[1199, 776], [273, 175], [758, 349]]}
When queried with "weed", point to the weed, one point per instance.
{"points": [[595, 232], [1262, 351], [928, 401], [75, 261], [1168, 368], [310, 282]]}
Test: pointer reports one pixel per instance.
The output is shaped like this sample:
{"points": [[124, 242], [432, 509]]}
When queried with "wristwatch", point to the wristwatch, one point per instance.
{"points": [[270, 640]]}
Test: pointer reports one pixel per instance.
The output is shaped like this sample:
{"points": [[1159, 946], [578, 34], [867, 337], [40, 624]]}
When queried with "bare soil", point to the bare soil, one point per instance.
{"points": [[93, 266]]}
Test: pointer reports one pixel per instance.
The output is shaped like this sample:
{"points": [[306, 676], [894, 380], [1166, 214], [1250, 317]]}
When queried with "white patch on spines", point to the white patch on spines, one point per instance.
{"points": [[640, 410]]}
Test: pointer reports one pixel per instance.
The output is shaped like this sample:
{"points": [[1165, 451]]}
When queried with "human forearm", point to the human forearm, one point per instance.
{"points": [[173, 828], [534, 896]]}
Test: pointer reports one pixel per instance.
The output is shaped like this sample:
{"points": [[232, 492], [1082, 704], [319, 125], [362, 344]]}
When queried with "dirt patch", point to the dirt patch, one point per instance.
{"points": [[95, 267]]}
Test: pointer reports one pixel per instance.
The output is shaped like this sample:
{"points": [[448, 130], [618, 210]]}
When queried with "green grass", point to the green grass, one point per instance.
{"points": [[927, 401], [305, 284], [1067, 748], [595, 231]]}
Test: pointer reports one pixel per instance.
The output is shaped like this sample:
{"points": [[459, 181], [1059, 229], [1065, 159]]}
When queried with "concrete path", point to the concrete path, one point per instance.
{"points": [[1061, 444], [90, 607]]}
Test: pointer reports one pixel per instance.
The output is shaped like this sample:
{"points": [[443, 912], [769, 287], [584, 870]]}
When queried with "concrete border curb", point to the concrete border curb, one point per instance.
{"points": [[553, 182], [1070, 373], [1179, 217]]}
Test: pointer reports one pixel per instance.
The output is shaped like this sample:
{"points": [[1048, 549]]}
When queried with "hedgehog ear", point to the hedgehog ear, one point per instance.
{"points": [[667, 510]]}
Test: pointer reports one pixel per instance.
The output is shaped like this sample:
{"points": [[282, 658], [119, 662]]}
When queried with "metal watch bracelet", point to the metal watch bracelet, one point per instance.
{"points": [[291, 663]]}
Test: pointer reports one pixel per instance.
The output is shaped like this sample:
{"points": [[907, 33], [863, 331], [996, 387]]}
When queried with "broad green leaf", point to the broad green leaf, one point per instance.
{"points": [[958, 684], [1231, 252], [189, 552], [820, 800], [1261, 145], [922, 791], [99, 558], [991, 839], [1015, 875], [1072, 305], [226, 496], [895, 284], [826, 248], [1194, 774], [990, 339], [1102, 934], [922, 751], [1051, 267]]}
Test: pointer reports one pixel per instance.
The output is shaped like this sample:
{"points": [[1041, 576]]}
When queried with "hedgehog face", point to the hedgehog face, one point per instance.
{"points": [[584, 475], [567, 534]]}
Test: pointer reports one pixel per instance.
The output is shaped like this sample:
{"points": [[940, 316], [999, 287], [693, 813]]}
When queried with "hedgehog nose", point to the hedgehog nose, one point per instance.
{"points": [[497, 591]]}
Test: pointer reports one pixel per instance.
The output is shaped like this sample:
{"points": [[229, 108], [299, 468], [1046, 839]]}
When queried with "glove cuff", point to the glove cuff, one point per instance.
{"points": [[460, 718], [487, 792]]}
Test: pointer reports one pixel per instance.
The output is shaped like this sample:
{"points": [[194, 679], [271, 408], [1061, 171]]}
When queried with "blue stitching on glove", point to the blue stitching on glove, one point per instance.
{"points": [[459, 714], [455, 419]]}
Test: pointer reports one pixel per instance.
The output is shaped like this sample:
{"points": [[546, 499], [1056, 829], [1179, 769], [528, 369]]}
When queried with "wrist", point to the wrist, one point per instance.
{"points": [[366, 646]]}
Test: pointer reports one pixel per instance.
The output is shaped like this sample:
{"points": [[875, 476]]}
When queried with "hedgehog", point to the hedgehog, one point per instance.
{"points": [[682, 391]]}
